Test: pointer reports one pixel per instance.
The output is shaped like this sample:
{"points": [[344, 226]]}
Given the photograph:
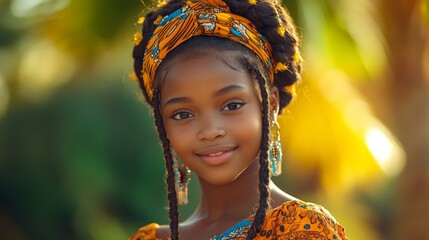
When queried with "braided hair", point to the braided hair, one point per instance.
{"points": [[274, 23]]}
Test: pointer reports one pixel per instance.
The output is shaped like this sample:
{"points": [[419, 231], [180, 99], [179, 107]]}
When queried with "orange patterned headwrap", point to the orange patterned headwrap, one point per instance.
{"points": [[211, 17]]}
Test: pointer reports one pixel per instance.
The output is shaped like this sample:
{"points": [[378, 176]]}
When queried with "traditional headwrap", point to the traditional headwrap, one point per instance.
{"points": [[212, 18]]}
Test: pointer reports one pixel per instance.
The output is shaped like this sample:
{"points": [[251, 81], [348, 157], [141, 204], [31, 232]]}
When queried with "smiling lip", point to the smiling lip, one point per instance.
{"points": [[216, 155]]}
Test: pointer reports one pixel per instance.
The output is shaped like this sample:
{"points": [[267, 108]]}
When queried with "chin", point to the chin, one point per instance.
{"points": [[220, 179]]}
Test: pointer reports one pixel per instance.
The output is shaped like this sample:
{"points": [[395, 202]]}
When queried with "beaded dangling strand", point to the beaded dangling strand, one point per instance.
{"points": [[275, 150], [182, 178]]}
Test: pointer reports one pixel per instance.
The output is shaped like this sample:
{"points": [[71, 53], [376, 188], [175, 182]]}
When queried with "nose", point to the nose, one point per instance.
{"points": [[211, 129]]}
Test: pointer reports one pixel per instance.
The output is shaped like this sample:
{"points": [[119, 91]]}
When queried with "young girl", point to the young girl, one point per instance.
{"points": [[216, 74]]}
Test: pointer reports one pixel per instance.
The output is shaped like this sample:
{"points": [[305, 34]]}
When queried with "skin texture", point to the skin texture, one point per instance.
{"points": [[210, 107]]}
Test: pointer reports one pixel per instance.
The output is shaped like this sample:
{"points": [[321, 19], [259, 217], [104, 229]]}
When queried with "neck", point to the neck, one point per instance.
{"points": [[237, 199]]}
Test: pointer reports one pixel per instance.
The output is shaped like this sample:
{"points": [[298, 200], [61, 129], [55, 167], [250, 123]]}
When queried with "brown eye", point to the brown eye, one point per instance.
{"points": [[233, 106], [182, 115]]}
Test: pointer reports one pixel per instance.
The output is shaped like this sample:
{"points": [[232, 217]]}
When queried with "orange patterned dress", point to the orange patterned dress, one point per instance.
{"points": [[292, 220]]}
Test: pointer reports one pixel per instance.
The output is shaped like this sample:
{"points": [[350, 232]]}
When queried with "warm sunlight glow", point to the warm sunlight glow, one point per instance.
{"points": [[43, 68], [28, 8], [388, 156], [379, 145]]}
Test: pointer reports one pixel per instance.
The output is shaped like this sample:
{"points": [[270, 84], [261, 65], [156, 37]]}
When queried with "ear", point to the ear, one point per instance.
{"points": [[274, 102]]}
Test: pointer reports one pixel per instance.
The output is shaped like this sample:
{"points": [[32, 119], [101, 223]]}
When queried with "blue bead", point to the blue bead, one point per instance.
{"points": [[236, 33]]}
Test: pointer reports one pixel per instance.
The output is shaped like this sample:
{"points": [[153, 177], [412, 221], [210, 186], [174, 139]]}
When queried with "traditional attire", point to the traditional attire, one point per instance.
{"points": [[291, 220]]}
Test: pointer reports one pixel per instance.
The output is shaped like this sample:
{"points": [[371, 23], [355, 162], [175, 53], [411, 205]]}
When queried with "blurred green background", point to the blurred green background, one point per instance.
{"points": [[79, 157]]}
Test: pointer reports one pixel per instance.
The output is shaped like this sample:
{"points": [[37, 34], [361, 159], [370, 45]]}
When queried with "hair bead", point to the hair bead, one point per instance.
{"points": [[133, 76], [161, 4], [158, 20], [138, 37], [141, 20], [281, 30], [253, 2], [280, 67], [290, 89], [297, 56]]}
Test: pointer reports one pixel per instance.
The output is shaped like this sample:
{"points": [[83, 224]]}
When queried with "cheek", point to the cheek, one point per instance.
{"points": [[179, 136], [248, 130]]}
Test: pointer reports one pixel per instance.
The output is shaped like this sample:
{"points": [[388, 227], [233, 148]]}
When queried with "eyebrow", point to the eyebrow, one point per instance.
{"points": [[227, 89], [176, 100], [218, 93]]}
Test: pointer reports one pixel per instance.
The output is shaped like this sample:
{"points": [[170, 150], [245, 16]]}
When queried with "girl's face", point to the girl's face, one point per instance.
{"points": [[212, 115]]}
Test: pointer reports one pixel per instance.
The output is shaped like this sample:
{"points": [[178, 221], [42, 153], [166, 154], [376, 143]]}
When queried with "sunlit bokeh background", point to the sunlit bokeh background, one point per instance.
{"points": [[79, 157]]}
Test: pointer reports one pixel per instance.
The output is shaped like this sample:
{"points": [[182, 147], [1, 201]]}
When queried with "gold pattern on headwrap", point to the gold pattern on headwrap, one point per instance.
{"points": [[212, 18]]}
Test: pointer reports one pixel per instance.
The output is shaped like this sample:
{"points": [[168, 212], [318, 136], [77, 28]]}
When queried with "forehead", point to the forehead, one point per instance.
{"points": [[184, 76], [213, 61], [228, 57]]}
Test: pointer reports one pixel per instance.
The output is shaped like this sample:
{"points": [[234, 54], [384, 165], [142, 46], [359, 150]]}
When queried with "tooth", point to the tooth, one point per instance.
{"points": [[215, 154]]}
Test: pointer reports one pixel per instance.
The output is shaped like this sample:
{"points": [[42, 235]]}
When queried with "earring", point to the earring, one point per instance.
{"points": [[275, 150], [182, 176]]}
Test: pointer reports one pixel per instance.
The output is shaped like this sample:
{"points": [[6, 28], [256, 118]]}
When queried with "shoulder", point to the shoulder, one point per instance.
{"points": [[301, 220], [148, 232]]}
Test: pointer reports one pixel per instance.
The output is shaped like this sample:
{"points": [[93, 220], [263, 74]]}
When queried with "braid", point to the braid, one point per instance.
{"points": [[138, 55], [264, 176], [172, 197]]}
